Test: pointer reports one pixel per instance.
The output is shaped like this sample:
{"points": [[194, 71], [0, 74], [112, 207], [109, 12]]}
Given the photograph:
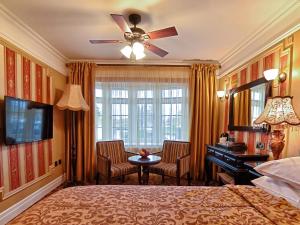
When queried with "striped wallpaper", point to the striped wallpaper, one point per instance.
{"points": [[277, 57], [23, 78]]}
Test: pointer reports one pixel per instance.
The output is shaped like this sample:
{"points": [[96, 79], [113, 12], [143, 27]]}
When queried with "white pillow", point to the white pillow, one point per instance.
{"points": [[286, 170], [279, 189]]}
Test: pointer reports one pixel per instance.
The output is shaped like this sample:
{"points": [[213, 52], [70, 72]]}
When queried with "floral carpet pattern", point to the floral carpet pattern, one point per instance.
{"points": [[157, 205]]}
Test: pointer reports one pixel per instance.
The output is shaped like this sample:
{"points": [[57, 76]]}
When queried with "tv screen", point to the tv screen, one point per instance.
{"points": [[26, 121]]}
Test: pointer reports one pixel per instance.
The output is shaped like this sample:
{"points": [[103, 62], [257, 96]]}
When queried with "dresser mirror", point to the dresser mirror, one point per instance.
{"points": [[247, 102]]}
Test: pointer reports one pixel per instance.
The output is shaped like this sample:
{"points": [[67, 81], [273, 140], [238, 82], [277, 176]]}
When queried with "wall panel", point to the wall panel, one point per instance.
{"points": [[277, 57], [27, 79]]}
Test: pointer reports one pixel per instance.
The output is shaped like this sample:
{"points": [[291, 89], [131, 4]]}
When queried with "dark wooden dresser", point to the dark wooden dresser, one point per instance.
{"points": [[237, 164]]}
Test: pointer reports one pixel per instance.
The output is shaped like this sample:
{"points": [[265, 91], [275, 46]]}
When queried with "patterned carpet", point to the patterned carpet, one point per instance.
{"points": [[132, 179]]}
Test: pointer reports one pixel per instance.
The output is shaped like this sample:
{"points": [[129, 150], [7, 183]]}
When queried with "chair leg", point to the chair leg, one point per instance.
{"points": [[123, 178], [108, 180], [139, 175], [189, 178], [162, 178], [178, 180]]}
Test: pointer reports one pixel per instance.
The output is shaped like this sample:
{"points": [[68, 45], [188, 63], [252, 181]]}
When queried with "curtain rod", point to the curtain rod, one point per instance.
{"points": [[144, 65], [187, 65]]}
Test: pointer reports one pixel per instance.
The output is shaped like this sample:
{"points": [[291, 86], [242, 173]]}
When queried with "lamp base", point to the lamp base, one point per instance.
{"points": [[277, 143]]}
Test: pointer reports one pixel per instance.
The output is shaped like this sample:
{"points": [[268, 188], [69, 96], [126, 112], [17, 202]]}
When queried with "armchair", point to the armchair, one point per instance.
{"points": [[175, 161], [112, 161]]}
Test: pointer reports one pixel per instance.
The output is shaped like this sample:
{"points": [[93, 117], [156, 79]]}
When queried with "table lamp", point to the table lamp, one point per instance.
{"points": [[73, 100], [278, 112]]}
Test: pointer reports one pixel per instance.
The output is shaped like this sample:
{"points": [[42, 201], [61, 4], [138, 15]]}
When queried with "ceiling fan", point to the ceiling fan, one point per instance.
{"points": [[137, 37]]}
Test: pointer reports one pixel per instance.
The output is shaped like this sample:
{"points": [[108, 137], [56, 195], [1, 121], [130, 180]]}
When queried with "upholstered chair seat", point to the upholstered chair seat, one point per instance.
{"points": [[168, 169], [175, 161], [112, 161]]}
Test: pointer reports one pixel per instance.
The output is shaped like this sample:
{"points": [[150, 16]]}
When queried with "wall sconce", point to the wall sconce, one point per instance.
{"points": [[271, 74], [222, 95]]}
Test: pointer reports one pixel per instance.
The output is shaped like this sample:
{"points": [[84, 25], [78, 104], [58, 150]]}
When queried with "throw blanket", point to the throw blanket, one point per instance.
{"points": [[154, 205]]}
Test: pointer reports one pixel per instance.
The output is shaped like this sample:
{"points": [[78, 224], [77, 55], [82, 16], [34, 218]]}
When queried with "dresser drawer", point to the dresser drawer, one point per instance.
{"points": [[229, 160]]}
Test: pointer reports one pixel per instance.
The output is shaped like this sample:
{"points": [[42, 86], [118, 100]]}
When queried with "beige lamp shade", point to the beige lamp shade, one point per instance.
{"points": [[72, 99], [279, 111]]}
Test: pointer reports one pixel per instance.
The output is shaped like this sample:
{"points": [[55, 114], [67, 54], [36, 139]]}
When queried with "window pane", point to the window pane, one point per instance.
{"points": [[119, 94], [166, 121], [149, 109], [98, 93], [141, 94], [119, 109], [124, 109], [145, 94], [99, 133], [149, 94], [149, 120], [166, 93], [99, 108], [173, 93], [179, 111], [166, 109]]}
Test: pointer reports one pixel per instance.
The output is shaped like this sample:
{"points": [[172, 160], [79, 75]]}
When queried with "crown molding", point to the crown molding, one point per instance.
{"points": [[22, 36], [261, 50], [269, 34]]}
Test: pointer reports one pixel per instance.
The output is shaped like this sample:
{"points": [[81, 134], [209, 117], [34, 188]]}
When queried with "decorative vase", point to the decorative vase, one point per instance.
{"points": [[277, 143]]}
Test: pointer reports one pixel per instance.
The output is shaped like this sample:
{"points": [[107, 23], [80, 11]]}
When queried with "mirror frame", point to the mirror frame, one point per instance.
{"points": [[268, 92]]}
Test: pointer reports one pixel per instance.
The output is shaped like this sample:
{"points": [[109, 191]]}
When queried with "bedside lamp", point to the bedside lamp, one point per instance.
{"points": [[278, 112]]}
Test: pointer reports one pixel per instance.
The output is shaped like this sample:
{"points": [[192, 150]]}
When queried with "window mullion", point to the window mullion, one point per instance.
{"points": [[131, 116]]}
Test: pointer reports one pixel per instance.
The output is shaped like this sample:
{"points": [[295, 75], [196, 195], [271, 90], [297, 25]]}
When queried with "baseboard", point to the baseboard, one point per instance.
{"points": [[25, 203]]}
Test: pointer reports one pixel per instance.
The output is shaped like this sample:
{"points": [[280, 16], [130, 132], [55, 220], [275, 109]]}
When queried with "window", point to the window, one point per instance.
{"points": [[141, 114]]}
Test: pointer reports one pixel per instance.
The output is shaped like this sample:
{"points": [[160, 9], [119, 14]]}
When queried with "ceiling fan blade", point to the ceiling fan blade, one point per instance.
{"points": [[120, 20], [105, 41], [156, 50], [167, 32]]}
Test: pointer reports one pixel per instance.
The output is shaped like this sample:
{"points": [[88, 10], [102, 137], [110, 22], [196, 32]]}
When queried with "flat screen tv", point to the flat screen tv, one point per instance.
{"points": [[26, 121]]}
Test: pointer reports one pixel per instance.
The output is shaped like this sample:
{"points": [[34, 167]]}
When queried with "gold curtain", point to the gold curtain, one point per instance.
{"points": [[82, 73], [203, 109], [242, 108]]}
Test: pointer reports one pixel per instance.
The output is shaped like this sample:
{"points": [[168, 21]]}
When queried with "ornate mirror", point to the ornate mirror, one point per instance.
{"points": [[246, 103]]}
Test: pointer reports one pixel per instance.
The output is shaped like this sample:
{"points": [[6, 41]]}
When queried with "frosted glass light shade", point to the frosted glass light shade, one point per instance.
{"points": [[137, 48], [271, 74], [279, 111], [72, 99], [126, 51], [140, 55], [221, 94]]}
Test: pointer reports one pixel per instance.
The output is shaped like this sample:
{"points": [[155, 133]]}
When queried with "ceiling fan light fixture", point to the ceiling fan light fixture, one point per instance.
{"points": [[126, 51], [138, 48], [139, 55]]}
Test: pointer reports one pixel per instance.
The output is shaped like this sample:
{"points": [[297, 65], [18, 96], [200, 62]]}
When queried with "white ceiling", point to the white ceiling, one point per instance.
{"points": [[208, 29]]}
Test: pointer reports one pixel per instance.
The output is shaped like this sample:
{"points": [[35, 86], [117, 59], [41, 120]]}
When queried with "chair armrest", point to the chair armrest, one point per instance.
{"points": [[157, 153], [183, 164], [182, 157], [103, 165], [128, 154]]}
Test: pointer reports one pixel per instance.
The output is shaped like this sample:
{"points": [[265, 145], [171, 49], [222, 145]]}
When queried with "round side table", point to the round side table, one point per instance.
{"points": [[144, 163]]}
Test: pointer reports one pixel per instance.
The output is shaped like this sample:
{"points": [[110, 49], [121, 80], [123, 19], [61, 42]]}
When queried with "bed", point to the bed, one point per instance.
{"points": [[122, 204]]}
